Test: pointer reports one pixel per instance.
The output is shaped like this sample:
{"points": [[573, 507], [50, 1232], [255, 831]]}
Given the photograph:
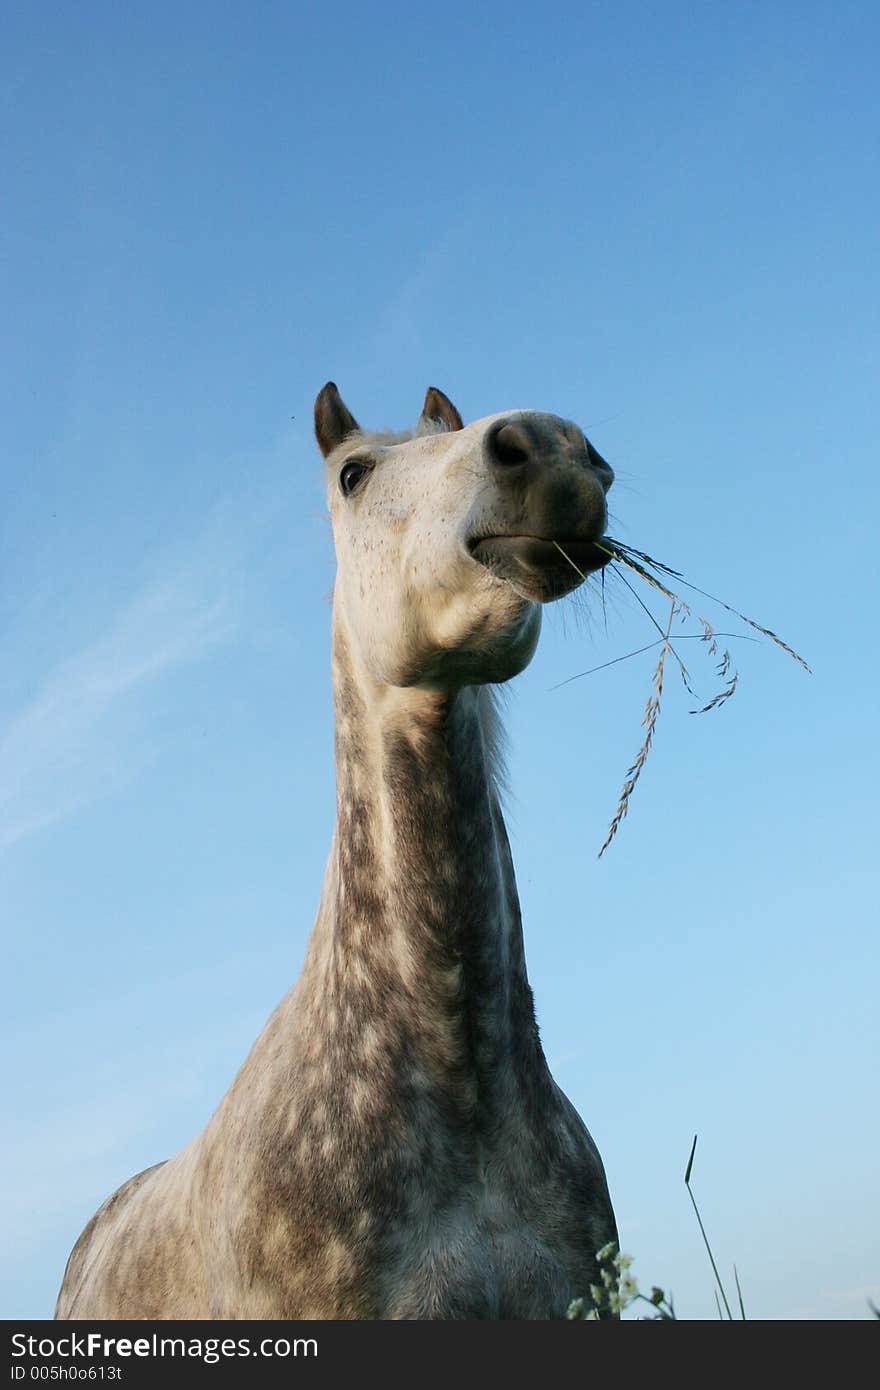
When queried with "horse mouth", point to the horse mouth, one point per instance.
{"points": [[537, 567]]}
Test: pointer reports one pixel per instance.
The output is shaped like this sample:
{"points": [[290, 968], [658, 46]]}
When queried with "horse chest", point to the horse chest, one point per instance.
{"points": [[482, 1261], [433, 1224], [491, 1233]]}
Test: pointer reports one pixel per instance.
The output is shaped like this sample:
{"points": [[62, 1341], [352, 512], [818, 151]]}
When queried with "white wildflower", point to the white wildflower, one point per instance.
{"points": [[628, 1288]]}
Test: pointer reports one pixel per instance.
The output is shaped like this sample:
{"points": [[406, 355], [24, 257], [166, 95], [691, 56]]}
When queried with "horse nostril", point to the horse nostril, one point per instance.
{"points": [[604, 470], [509, 444]]}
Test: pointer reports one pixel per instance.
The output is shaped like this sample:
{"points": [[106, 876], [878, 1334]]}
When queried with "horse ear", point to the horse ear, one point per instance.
{"points": [[333, 419], [438, 409]]}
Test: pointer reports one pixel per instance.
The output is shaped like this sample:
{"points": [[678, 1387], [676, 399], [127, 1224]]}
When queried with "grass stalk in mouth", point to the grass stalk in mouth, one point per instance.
{"points": [[658, 576]]}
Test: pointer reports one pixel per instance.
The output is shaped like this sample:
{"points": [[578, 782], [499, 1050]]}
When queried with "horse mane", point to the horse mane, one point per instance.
{"points": [[490, 703]]}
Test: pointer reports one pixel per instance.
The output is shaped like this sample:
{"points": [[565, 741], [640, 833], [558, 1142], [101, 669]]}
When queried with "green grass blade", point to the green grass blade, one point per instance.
{"points": [[687, 1183], [739, 1294], [690, 1164]]}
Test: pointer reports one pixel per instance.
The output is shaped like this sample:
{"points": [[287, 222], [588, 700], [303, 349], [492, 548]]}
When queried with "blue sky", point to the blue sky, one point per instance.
{"points": [[658, 220]]}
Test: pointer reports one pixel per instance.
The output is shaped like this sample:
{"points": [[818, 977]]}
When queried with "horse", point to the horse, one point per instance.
{"points": [[394, 1146]]}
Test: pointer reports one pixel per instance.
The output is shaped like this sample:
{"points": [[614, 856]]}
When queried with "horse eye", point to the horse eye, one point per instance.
{"points": [[352, 474]]}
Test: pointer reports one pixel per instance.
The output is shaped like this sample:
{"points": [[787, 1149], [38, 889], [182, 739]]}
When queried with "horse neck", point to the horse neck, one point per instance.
{"points": [[419, 939]]}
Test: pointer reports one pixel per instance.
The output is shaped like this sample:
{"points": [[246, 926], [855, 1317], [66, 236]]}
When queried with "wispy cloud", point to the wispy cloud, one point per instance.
{"points": [[408, 319], [66, 748]]}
